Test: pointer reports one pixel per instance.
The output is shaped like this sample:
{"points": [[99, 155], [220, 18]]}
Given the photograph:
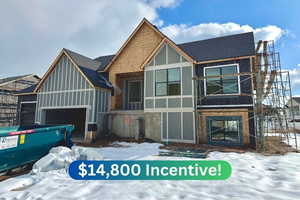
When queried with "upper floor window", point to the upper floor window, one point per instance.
{"points": [[221, 84], [167, 82]]}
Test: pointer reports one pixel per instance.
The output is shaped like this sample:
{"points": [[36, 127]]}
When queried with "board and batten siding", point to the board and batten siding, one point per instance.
{"points": [[177, 112], [66, 87]]}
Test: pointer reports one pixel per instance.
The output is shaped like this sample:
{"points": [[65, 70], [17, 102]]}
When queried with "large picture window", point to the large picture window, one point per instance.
{"points": [[224, 129], [222, 85], [167, 82]]}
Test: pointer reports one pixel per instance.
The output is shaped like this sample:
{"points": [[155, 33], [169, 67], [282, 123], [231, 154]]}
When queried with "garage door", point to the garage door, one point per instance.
{"points": [[75, 116], [27, 114]]}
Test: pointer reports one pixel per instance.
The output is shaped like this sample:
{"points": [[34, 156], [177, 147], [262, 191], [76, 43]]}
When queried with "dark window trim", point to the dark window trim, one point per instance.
{"points": [[221, 79], [168, 82], [209, 119], [141, 97]]}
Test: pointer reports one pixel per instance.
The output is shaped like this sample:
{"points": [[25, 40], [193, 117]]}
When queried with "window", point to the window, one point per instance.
{"points": [[167, 82], [135, 91], [224, 129], [221, 85]]}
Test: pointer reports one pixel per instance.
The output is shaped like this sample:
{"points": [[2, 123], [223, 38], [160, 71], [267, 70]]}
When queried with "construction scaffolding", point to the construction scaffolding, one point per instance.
{"points": [[275, 117], [8, 100], [271, 92]]}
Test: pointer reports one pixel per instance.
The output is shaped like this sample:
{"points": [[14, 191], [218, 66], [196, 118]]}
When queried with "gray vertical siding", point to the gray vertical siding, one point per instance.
{"points": [[176, 111], [149, 84], [66, 87], [187, 81]]}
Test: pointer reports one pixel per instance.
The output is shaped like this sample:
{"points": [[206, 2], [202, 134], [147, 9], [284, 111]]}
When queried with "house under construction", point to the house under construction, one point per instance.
{"points": [[8, 101], [218, 91]]}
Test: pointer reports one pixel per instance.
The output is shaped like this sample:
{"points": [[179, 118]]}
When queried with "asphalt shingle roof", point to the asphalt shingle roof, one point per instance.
{"points": [[221, 47], [89, 67], [104, 61]]}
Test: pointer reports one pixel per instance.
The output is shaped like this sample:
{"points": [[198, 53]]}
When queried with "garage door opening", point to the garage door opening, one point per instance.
{"points": [[75, 116]]}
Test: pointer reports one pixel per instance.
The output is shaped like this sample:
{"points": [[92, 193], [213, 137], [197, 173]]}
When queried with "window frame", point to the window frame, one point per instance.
{"points": [[240, 131], [167, 82], [128, 96], [221, 66]]}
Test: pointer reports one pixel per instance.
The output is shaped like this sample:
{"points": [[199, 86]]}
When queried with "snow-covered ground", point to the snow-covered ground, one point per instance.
{"points": [[254, 177]]}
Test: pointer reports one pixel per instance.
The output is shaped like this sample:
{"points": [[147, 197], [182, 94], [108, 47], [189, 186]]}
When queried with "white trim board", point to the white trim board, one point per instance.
{"points": [[22, 102], [66, 107], [169, 66], [180, 141], [220, 106], [64, 91], [169, 97], [169, 110]]}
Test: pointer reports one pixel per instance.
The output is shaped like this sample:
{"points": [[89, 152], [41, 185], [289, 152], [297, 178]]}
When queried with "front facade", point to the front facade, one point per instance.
{"points": [[154, 88]]}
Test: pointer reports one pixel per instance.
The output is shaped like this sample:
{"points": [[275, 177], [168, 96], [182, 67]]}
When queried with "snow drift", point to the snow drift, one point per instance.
{"points": [[61, 157]]}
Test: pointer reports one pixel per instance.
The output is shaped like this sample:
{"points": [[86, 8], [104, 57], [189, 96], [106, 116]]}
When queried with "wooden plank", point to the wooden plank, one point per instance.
{"points": [[266, 61], [258, 46], [270, 83], [225, 59], [225, 75]]}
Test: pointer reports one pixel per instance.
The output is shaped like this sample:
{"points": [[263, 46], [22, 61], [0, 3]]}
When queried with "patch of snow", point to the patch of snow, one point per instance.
{"points": [[61, 157], [254, 176]]}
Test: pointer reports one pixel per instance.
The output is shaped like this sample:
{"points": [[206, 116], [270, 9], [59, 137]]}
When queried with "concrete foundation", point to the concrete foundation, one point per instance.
{"points": [[135, 124], [153, 126]]}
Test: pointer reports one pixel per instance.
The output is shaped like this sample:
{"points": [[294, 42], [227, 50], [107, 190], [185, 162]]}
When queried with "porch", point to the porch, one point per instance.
{"points": [[129, 91]]}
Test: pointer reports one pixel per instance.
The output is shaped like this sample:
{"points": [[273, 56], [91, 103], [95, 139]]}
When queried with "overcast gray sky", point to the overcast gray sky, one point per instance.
{"points": [[33, 32]]}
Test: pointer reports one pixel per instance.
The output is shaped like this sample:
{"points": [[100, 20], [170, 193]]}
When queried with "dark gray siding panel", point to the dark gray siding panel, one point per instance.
{"points": [[149, 84], [164, 126], [187, 102], [187, 81], [174, 125], [160, 103], [149, 103], [188, 133], [174, 103]]}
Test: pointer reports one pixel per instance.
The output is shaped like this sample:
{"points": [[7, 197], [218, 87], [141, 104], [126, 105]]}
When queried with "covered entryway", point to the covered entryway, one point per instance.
{"points": [[75, 116]]}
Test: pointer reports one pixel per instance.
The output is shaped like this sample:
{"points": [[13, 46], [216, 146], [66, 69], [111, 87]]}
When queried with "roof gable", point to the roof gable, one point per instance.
{"points": [[86, 67], [82, 60], [139, 29]]}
